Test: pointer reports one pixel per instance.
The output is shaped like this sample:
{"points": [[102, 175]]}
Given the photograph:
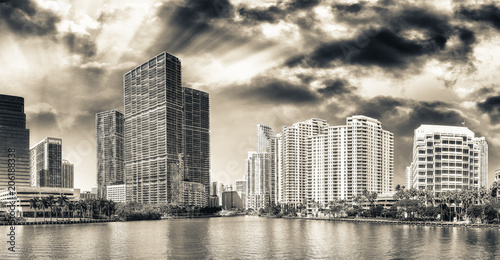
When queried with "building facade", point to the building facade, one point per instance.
{"points": [[497, 175], [166, 133], [46, 163], [293, 160], [231, 200], [116, 193], [110, 150], [260, 176], [68, 174], [196, 127], [193, 194], [447, 158], [14, 135]]}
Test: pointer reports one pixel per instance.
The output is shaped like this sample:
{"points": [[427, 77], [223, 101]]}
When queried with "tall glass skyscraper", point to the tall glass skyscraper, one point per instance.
{"points": [[68, 174], [13, 134], [46, 163], [110, 152], [166, 132], [197, 137]]}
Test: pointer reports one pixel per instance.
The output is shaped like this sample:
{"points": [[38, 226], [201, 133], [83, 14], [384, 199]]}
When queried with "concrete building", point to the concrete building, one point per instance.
{"points": [[447, 158], [293, 160], [166, 133], [46, 163], [116, 193], [21, 198], [14, 135], [88, 195], [347, 159], [196, 127], [231, 200], [110, 150], [260, 176], [193, 194], [67, 174], [241, 188]]}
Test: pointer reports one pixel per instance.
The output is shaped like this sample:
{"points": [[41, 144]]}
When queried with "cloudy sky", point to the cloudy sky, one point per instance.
{"points": [[405, 63]]}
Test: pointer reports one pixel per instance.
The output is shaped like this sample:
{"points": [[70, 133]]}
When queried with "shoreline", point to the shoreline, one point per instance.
{"points": [[54, 222], [401, 222]]}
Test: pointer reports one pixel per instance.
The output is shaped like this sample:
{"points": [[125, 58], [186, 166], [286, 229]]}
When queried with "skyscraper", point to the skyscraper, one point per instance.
{"points": [[351, 158], [448, 158], [153, 129], [196, 127], [46, 163], [13, 134], [68, 174], [110, 152], [166, 133], [261, 177], [293, 159]]}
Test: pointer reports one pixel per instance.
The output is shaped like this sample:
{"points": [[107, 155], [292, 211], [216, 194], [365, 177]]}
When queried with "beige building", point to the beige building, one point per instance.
{"points": [[448, 158]]}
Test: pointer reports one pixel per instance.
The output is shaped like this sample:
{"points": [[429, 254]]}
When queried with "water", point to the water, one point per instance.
{"points": [[249, 238]]}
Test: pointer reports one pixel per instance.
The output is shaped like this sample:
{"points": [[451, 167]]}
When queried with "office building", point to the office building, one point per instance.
{"points": [[21, 198], [14, 135], [67, 174], [116, 193], [260, 178], [46, 163], [447, 158], [231, 200], [196, 129], [110, 150], [166, 133]]}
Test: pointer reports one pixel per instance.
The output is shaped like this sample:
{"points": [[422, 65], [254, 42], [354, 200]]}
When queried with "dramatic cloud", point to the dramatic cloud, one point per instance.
{"points": [[484, 13], [491, 106], [24, 17]]}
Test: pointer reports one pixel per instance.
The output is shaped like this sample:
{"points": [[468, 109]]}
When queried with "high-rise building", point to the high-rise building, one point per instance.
{"points": [[318, 163], [196, 128], [293, 160], [110, 150], [14, 135], [166, 133], [261, 173], [241, 188], [116, 193], [67, 174], [448, 158], [46, 163]]}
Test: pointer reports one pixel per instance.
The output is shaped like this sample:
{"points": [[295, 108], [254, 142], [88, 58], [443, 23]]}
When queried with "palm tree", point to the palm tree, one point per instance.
{"points": [[63, 201], [41, 205], [50, 202], [34, 205]]}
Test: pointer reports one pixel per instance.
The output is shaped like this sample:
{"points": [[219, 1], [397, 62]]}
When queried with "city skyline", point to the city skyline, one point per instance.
{"points": [[262, 63]]}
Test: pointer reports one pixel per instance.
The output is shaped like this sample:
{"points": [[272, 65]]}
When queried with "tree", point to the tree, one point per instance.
{"points": [[41, 205], [62, 201], [50, 202], [34, 205]]}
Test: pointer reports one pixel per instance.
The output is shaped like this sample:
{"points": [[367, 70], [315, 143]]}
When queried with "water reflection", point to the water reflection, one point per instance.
{"points": [[250, 238]]}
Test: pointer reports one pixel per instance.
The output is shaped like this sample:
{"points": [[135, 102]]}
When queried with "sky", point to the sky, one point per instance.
{"points": [[405, 63]]}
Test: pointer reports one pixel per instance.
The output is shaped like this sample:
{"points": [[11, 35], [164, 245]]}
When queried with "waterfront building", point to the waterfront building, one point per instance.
{"points": [[88, 195], [447, 158], [110, 150], [261, 173], [166, 133], [231, 200], [67, 174], [241, 188], [213, 201], [116, 193], [196, 127], [293, 160], [13, 134], [46, 163], [21, 197], [193, 194], [351, 158]]}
